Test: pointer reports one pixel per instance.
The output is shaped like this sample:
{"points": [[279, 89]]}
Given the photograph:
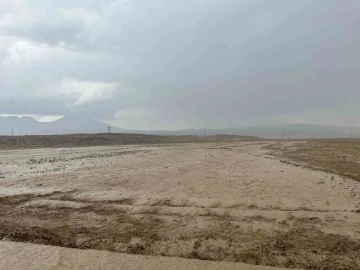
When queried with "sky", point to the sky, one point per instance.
{"points": [[169, 64]]}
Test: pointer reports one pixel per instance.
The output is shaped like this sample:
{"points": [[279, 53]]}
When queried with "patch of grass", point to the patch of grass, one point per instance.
{"points": [[258, 252]]}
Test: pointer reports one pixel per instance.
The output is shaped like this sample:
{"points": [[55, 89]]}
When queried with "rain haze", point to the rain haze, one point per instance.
{"points": [[150, 65], [180, 134]]}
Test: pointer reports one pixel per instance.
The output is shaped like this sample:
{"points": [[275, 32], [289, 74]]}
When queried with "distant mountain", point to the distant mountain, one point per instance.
{"points": [[82, 124], [17, 125], [66, 125]]}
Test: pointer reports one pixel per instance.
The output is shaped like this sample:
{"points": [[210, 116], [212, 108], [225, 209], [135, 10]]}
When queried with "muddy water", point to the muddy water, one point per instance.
{"points": [[216, 202]]}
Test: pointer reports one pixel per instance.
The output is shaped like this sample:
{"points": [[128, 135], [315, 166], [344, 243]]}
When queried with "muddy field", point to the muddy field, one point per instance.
{"points": [[215, 201]]}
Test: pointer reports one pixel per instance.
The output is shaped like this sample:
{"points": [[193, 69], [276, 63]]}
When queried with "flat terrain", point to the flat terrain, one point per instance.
{"points": [[82, 140], [340, 156], [232, 202]]}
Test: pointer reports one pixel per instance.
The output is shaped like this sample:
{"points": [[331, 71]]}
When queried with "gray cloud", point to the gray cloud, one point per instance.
{"points": [[169, 64]]}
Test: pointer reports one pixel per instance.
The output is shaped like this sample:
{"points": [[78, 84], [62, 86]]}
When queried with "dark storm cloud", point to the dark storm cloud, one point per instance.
{"points": [[193, 63]]}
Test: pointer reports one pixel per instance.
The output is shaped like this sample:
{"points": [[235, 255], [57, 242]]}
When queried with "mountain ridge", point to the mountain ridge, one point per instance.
{"points": [[81, 124]]}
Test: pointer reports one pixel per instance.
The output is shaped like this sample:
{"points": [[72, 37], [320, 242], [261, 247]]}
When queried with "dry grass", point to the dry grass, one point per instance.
{"points": [[78, 140], [339, 156]]}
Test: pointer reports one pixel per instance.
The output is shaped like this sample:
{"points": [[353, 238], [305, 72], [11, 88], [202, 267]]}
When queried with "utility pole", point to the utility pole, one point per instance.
{"points": [[109, 129], [205, 134], [12, 132], [283, 136], [20, 132]]}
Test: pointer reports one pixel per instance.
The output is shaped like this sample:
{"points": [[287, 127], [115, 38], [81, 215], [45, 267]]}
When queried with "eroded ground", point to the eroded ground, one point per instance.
{"points": [[223, 202]]}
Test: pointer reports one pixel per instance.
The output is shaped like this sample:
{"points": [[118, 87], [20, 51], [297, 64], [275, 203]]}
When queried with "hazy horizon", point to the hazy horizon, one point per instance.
{"points": [[53, 119], [151, 65]]}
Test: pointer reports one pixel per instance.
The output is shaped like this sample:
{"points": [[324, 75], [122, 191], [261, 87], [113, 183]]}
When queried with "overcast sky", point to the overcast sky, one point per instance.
{"points": [[170, 64]]}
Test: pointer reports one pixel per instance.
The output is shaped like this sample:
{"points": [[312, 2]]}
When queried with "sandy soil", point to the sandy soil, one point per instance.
{"points": [[220, 202]]}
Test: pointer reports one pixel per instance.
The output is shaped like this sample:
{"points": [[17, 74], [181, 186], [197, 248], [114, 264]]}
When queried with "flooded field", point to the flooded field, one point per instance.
{"points": [[237, 202]]}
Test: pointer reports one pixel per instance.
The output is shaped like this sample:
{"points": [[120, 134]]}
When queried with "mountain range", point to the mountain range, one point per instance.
{"points": [[79, 124]]}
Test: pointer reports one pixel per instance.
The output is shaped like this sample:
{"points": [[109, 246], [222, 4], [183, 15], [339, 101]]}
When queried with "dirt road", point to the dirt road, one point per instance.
{"points": [[220, 202]]}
